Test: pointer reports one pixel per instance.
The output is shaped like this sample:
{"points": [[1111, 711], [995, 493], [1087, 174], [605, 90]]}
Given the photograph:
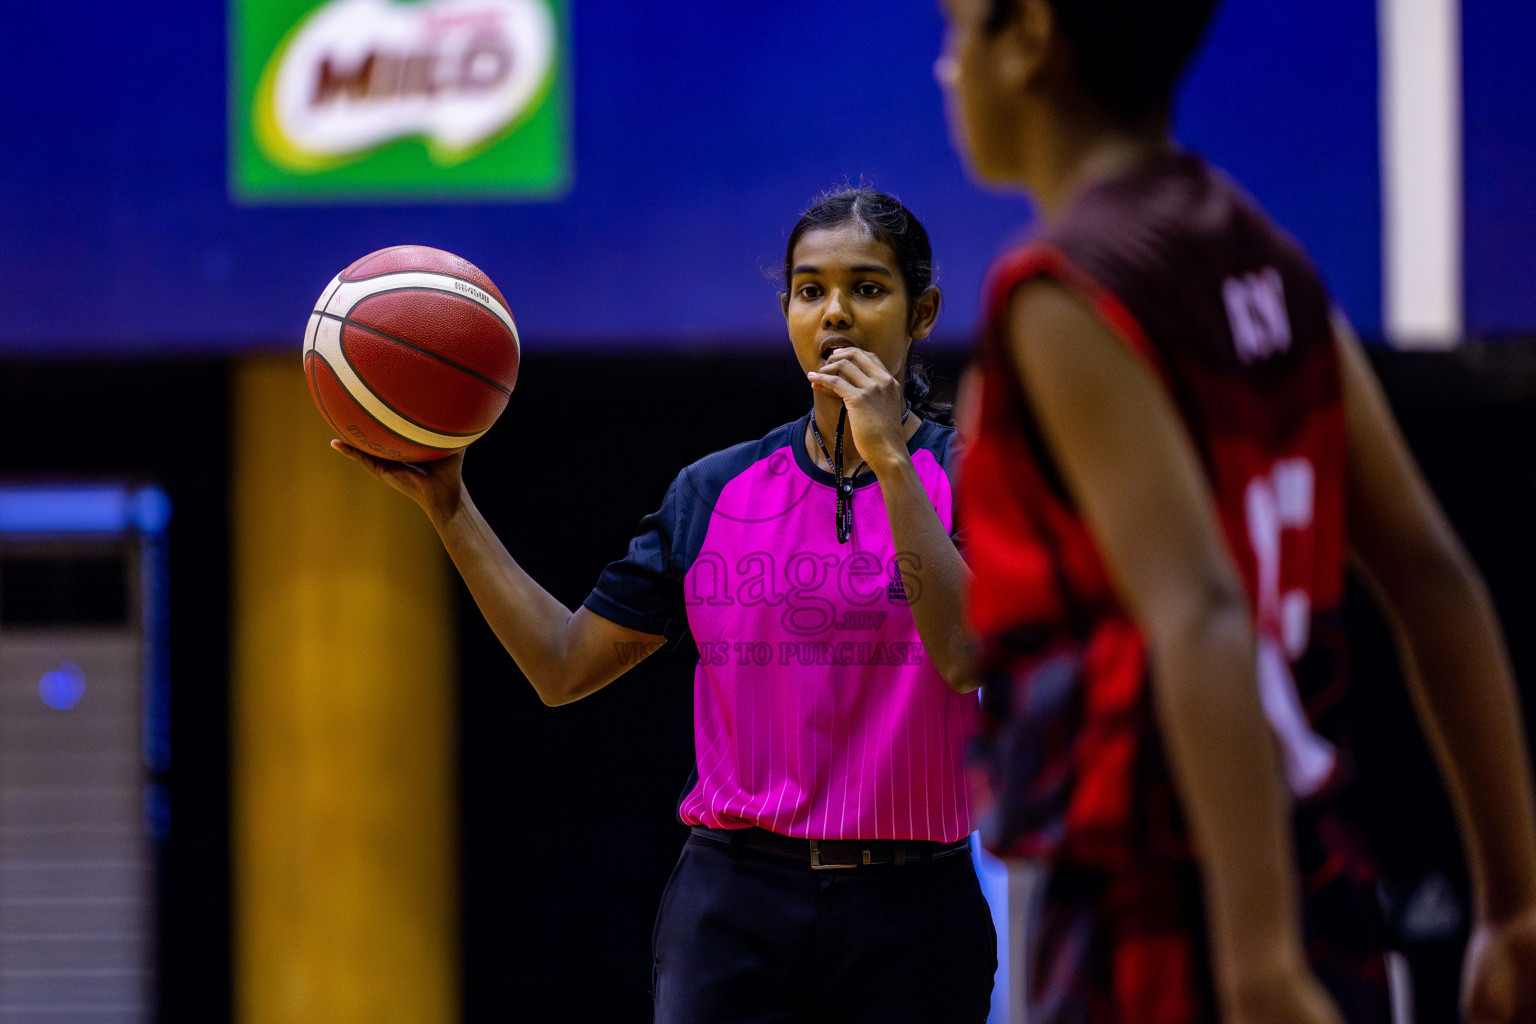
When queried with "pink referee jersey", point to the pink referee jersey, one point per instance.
{"points": [[817, 712]]}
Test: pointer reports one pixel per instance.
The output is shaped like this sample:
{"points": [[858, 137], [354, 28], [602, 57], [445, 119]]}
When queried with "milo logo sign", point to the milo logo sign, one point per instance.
{"points": [[381, 98]]}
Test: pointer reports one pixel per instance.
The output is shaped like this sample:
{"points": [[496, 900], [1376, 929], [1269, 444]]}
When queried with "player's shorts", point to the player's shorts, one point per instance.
{"points": [[1129, 948]]}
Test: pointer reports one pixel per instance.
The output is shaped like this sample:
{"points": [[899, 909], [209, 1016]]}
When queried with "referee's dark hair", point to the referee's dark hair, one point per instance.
{"points": [[1129, 53]]}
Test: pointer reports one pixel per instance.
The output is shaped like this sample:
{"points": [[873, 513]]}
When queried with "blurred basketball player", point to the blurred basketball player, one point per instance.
{"points": [[1179, 444]]}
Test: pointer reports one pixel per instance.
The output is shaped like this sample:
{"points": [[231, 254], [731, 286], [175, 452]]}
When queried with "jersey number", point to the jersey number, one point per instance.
{"points": [[1256, 313], [1276, 507]]}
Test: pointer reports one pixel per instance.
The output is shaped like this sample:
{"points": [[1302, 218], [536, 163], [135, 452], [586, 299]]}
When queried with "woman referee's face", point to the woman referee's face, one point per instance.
{"points": [[846, 289]]}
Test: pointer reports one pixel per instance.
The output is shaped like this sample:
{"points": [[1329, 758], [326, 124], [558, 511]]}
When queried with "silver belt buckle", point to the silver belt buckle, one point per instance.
{"points": [[817, 865]]}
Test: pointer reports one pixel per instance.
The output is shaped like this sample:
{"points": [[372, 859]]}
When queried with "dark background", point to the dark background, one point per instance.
{"points": [[568, 831], [160, 423]]}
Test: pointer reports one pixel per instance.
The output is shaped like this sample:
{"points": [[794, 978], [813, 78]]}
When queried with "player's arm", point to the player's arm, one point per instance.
{"points": [[932, 571], [565, 655], [1453, 655], [1132, 469]]}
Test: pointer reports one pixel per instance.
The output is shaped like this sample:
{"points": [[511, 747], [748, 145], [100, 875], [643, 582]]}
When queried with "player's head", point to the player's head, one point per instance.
{"points": [[1121, 57], [859, 264], [1129, 54]]}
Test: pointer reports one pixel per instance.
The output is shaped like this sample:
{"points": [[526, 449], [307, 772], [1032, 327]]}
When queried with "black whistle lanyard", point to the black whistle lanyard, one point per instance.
{"points": [[844, 484]]}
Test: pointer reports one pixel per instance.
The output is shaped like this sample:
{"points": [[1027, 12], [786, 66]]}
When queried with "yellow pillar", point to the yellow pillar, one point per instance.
{"points": [[342, 738]]}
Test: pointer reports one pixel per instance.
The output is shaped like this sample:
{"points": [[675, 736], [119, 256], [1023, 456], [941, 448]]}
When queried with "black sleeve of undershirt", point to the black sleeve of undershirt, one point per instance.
{"points": [[644, 589]]}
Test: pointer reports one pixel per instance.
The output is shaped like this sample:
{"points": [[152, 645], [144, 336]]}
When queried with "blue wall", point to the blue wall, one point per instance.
{"points": [[701, 130], [1500, 166], [1284, 97]]}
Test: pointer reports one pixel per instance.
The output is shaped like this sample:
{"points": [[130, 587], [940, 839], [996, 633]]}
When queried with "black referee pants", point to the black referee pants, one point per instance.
{"points": [[746, 938]]}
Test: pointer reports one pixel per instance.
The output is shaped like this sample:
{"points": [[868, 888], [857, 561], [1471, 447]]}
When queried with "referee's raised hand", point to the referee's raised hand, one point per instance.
{"points": [[874, 400]]}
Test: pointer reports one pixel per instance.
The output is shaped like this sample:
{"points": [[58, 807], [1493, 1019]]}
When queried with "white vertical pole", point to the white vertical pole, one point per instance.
{"points": [[1022, 879], [1400, 988], [1421, 179]]}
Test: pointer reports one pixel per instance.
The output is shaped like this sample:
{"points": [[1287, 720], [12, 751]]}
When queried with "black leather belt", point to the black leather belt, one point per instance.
{"points": [[832, 854]]}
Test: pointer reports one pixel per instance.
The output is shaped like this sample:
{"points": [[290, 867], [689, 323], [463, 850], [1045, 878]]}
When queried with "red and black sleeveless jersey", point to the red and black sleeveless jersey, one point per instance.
{"points": [[1229, 314]]}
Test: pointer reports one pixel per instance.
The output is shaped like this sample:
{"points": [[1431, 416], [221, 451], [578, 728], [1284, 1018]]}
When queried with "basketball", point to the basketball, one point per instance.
{"points": [[411, 353]]}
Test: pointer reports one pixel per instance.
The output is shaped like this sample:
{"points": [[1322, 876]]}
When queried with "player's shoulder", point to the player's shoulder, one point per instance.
{"points": [[1148, 223], [1168, 213], [942, 439], [1165, 202], [1186, 256], [709, 475]]}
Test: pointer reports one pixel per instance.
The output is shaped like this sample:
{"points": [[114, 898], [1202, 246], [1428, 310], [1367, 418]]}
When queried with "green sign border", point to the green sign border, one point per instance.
{"points": [[529, 160]]}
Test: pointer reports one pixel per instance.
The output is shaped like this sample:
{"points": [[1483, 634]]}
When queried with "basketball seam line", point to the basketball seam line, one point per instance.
{"points": [[427, 270], [349, 322], [380, 423], [314, 387], [494, 304], [494, 297], [371, 258], [325, 409], [373, 395], [335, 286], [386, 404]]}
